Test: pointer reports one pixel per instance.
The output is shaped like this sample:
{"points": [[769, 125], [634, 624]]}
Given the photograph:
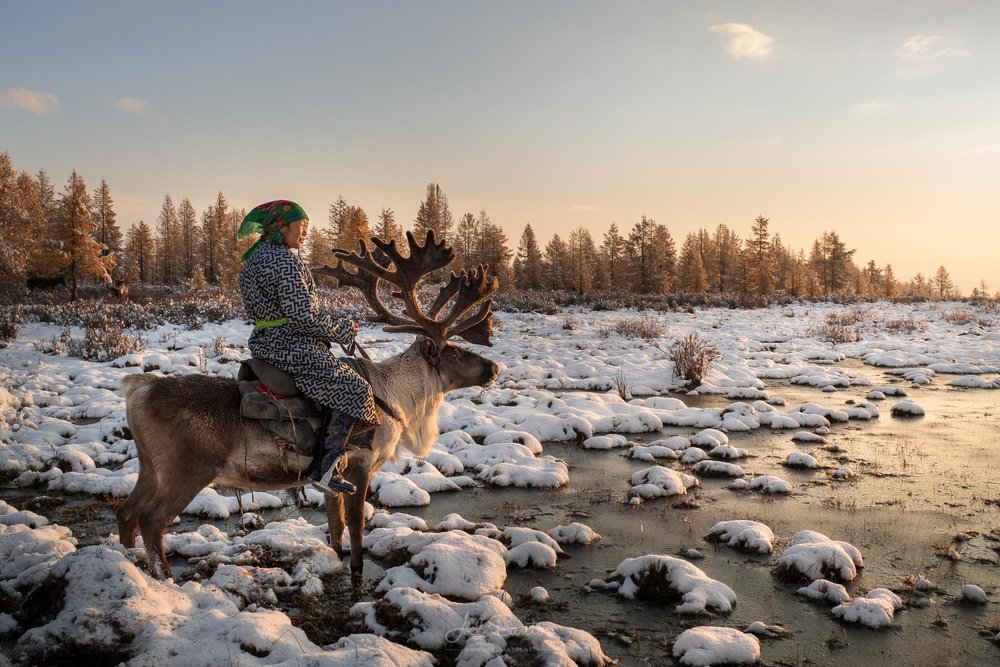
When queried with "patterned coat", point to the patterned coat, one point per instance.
{"points": [[275, 283]]}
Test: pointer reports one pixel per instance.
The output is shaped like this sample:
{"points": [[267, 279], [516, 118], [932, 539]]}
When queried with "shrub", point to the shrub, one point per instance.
{"points": [[644, 327], [10, 324], [835, 333], [103, 339], [693, 357]]}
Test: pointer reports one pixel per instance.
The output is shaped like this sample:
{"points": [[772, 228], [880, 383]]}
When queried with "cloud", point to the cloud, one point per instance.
{"points": [[745, 42], [132, 105], [930, 47], [871, 107], [32, 100]]}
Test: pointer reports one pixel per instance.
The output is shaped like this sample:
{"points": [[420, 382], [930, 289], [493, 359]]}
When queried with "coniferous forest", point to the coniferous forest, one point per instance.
{"points": [[72, 235]]}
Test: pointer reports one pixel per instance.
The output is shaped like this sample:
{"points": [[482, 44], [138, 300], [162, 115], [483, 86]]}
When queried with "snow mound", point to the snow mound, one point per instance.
{"points": [[876, 610], [718, 469], [972, 593], [651, 453], [764, 484], [821, 589], [657, 481], [27, 554], [815, 556], [800, 460], [705, 646], [655, 576], [546, 472], [609, 441], [454, 563], [484, 630], [108, 607], [907, 409], [574, 533], [743, 534], [808, 436], [709, 437]]}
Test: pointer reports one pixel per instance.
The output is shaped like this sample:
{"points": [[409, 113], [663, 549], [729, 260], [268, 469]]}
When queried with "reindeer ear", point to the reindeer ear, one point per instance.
{"points": [[429, 350]]}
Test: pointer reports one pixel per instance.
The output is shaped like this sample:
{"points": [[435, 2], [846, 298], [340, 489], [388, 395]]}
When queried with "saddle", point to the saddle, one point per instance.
{"points": [[269, 395]]}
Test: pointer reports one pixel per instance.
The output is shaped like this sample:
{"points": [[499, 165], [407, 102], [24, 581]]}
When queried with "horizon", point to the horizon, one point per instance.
{"points": [[878, 123]]}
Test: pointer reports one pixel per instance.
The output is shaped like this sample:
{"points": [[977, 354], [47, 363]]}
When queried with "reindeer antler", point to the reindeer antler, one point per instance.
{"points": [[464, 291]]}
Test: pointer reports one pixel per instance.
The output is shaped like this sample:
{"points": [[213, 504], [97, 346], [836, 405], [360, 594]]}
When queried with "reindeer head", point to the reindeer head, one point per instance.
{"points": [[464, 292]]}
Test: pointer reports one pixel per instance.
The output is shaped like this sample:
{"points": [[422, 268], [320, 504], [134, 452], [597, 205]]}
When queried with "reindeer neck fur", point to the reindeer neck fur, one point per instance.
{"points": [[415, 390]]}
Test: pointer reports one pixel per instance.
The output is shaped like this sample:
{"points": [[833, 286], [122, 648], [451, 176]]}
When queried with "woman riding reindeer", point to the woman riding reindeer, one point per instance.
{"points": [[291, 333]]}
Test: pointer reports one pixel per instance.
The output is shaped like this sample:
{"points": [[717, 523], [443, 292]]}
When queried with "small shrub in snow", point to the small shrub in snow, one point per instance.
{"points": [[693, 357], [706, 646], [574, 533], [907, 409], [876, 610], [10, 324], [815, 556], [645, 327], [821, 589], [972, 593], [800, 460], [657, 577], [743, 534]]}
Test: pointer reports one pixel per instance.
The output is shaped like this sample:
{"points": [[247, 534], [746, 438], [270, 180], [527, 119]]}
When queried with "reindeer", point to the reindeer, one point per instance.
{"points": [[189, 433]]}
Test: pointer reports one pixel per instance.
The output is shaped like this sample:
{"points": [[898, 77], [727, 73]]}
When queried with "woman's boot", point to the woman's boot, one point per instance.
{"points": [[323, 469]]}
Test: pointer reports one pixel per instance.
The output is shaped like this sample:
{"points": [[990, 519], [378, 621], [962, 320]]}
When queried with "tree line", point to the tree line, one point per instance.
{"points": [[75, 234]]}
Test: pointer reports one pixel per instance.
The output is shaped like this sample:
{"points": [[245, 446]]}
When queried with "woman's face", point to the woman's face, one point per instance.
{"points": [[295, 233]]}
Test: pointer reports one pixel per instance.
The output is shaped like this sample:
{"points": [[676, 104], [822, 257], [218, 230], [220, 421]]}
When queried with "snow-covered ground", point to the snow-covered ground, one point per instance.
{"points": [[582, 460]]}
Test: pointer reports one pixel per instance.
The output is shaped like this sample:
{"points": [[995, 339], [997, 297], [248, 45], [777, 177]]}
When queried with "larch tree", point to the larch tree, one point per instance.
{"points": [[760, 254], [14, 256], [433, 214], [140, 254], [640, 258], [726, 260], [665, 252], [555, 267], [613, 274], [108, 234], [831, 260], [387, 229], [337, 216], [494, 251], [582, 260], [889, 286], [354, 228], [691, 271], [943, 285], [189, 241], [168, 241], [80, 255], [467, 240], [528, 261]]}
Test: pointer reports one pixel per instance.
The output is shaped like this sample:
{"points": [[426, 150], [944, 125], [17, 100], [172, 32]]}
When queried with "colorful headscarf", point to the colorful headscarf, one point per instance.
{"points": [[267, 219]]}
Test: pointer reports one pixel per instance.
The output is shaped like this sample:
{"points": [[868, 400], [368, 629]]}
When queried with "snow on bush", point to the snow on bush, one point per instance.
{"points": [[907, 409], [876, 610], [27, 553], [821, 589], [454, 563], [800, 460], [743, 534], [728, 452], [972, 593], [764, 484], [102, 605], [483, 629], [651, 453], [718, 469], [574, 533], [709, 438], [815, 556], [706, 646], [667, 577], [657, 481]]}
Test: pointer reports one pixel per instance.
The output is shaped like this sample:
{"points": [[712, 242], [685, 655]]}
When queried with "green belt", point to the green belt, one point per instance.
{"points": [[268, 324]]}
